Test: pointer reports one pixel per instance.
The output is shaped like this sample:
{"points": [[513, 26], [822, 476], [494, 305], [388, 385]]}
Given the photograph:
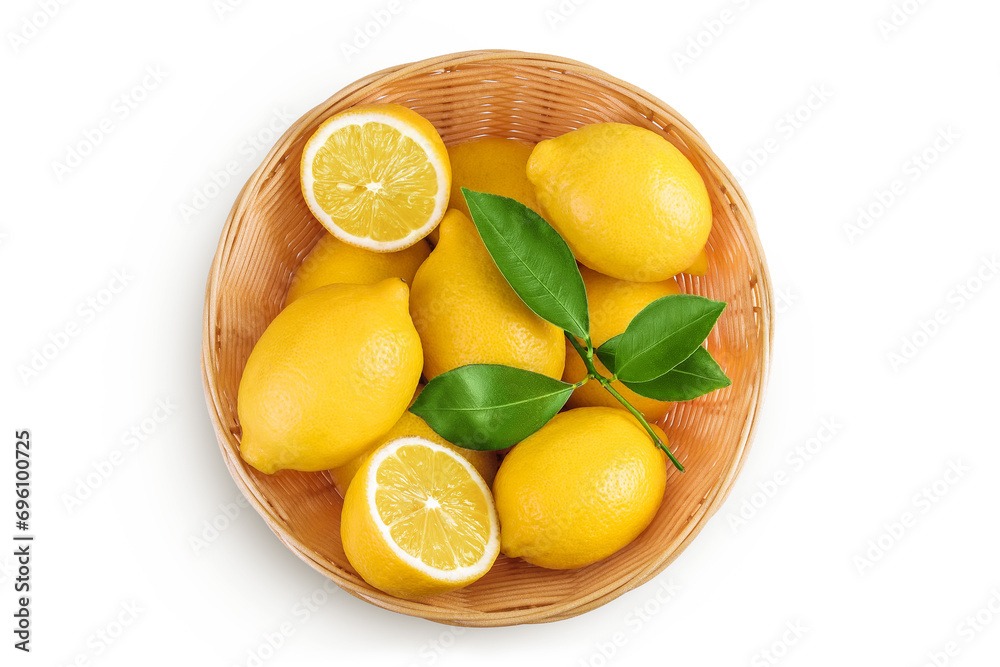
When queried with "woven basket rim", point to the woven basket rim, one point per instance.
{"points": [[348, 96]]}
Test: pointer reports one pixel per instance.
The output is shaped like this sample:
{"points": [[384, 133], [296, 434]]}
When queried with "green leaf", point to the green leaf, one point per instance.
{"points": [[606, 353], [697, 375], [534, 259], [663, 334], [485, 406]]}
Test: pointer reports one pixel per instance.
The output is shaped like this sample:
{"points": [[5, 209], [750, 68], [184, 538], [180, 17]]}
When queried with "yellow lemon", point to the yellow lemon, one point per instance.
{"points": [[700, 265], [579, 489], [467, 313], [331, 261], [377, 176], [418, 520], [410, 425], [494, 165], [613, 303], [628, 203], [332, 372]]}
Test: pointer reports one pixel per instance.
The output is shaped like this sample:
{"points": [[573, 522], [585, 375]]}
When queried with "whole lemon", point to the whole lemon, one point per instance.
{"points": [[410, 425], [628, 203], [332, 261], [332, 372], [467, 313], [579, 489], [700, 265], [613, 303], [494, 165]]}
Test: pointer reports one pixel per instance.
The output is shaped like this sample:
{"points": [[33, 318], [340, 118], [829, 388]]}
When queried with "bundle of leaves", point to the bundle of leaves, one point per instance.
{"points": [[660, 354]]}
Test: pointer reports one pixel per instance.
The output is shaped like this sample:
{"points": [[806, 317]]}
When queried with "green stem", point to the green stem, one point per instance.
{"points": [[645, 425], [587, 354]]}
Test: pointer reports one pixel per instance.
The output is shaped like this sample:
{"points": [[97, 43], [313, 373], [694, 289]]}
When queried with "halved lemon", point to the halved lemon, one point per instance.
{"points": [[377, 176], [418, 520]]}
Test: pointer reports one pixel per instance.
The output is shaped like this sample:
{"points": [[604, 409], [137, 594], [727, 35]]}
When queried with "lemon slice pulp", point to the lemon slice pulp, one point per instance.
{"points": [[419, 520], [377, 176]]}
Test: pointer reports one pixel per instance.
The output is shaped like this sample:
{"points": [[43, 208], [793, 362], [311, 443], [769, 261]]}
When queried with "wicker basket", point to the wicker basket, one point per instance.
{"points": [[530, 97]]}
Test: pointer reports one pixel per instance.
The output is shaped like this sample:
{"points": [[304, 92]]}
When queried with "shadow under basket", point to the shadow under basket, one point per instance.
{"points": [[529, 97]]}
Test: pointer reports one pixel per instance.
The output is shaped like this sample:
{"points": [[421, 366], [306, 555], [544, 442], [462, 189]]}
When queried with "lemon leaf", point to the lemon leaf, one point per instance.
{"points": [[487, 406], [697, 375], [606, 353], [534, 259], [663, 334]]}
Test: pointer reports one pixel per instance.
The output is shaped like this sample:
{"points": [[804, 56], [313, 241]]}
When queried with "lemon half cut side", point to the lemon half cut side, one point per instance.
{"points": [[418, 520], [377, 176]]}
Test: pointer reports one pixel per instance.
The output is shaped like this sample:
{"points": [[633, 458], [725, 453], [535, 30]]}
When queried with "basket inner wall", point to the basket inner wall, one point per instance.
{"points": [[274, 230]]}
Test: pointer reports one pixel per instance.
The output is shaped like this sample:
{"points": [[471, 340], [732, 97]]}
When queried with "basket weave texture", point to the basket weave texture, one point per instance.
{"points": [[530, 97]]}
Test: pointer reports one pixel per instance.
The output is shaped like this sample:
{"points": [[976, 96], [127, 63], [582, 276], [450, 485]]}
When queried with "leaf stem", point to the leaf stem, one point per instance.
{"points": [[645, 424], [587, 354]]}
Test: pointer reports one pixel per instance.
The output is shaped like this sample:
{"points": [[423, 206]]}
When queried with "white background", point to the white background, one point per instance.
{"points": [[821, 551]]}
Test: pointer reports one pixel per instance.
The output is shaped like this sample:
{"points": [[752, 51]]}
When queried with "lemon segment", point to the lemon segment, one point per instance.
{"points": [[419, 520], [377, 176]]}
